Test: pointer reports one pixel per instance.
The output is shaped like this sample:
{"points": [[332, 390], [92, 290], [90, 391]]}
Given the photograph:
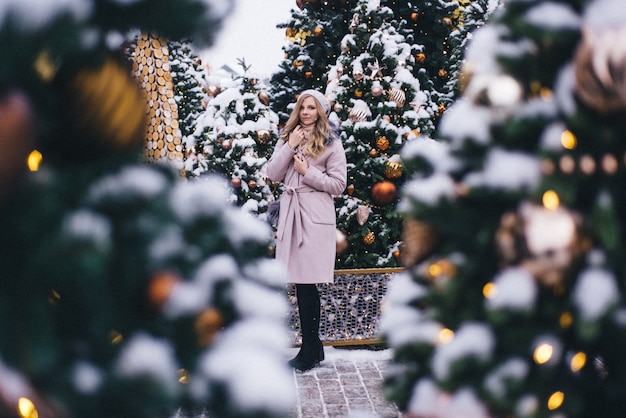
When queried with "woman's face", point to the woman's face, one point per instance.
{"points": [[308, 111]]}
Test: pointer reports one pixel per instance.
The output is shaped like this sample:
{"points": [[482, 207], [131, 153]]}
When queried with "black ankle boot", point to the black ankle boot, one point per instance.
{"points": [[309, 356]]}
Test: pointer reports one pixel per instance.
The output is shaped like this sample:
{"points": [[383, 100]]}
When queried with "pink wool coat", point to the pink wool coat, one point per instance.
{"points": [[306, 236]]}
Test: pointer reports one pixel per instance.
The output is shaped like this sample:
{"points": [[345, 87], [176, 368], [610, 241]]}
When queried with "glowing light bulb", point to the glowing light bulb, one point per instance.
{"points": [[568, 140], [543, 353], [490, 290], [550, 200], [445, 335], [578, 361], [26, 408], [434, 270], [34, 160], [566, 319], [556, 400]]}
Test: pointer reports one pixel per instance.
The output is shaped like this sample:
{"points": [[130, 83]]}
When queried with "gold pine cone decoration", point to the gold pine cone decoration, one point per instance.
{"points": [[418, 241], [107, 104], [600, 71], [382, 143], [369, 238]]}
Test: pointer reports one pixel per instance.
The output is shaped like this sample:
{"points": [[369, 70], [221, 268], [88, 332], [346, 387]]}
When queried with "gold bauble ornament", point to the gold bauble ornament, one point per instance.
{"points": [[357, 115], [384, 192], [308, 74], [263, 136], [446, 21], [382, 143], [369, 238], [398, 96], [318, 31], [226, 144], [105, 104], [373, 153], [252, 184], [358, 93], [414, 16], [442, 72], [393, 170], [420, 57], [350, 189]]}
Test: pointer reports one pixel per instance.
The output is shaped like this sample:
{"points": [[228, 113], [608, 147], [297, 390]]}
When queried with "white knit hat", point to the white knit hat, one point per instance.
{"points": [[321, 99]]}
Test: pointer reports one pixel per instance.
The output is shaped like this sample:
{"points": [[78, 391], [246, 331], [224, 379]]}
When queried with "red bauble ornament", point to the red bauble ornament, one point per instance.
{"points": [[208, 324], [160, 288], [235, 182], [341, 242], [384, 192]]}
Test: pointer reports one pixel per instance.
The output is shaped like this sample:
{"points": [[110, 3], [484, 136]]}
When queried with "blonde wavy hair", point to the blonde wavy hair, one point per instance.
{"points": [[322, 133]]}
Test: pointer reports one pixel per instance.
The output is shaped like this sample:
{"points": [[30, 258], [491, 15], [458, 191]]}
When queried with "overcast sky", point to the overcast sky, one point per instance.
{"points": [[250, 32]]}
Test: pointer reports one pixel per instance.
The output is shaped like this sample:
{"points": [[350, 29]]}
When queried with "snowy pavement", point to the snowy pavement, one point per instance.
{"points": [[347, 384]]}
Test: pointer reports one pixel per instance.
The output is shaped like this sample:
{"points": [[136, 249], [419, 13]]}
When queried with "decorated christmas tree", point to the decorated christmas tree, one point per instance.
{"points": [[441, 29], [379, 106], [190, 82], [513, 304], [234, 138], [313, 36], [125, 291]]}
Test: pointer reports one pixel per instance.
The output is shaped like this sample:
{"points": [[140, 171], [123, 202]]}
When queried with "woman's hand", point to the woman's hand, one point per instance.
{"points": [[300, 164], [296, 137]]}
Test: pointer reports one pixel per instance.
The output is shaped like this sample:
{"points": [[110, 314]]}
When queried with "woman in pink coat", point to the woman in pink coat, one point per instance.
{"points": [[310, 161]]}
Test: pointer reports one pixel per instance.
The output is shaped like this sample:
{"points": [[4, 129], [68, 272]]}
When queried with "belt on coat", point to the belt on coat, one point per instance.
{"points": [[293, 211]]}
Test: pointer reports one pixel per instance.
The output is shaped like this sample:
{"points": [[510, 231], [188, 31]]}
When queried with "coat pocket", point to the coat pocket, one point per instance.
{"points": [[321, 207]]}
